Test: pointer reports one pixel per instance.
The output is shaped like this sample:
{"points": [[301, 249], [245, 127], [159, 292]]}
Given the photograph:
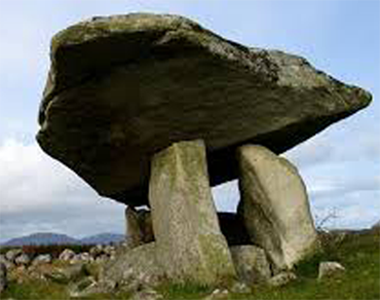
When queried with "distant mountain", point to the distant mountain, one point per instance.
{"points": [[103, 238], [50, 238], [42, 238]]}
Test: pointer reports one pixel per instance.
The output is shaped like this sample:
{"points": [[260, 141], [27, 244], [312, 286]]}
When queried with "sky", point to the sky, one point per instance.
{"points": [[340, 166]]}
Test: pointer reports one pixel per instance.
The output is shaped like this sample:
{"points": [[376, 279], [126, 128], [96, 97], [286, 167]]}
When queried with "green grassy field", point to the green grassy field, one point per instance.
{"points": [[359, 253]]}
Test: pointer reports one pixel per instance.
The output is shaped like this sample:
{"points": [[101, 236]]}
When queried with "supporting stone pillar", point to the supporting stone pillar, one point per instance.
{"points": [[138, 226], [190, 245], [275, 207]]}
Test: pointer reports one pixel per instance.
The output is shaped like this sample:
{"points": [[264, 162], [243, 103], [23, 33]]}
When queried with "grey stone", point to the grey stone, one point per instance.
{"points": [[3, 277], [22, 259], [329, 269], [190, 245], [240, 288], [282, 278], [67, 255], [251, 264], [123, 87], [147, 294], [133, 269], [83, 288], [275, 207], [12, 254], [218, 294], [139, 228], [42, 259]]}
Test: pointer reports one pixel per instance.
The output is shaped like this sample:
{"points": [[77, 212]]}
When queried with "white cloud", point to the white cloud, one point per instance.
{"points": [[39, 193]]}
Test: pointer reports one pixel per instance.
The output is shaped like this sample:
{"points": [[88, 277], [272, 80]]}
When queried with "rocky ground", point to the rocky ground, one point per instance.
{"points": [[348, 268]]}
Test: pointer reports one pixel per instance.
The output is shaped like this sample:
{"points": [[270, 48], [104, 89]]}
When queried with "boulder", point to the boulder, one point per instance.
{"points": [[275, 207], [251, 264], [329, 269], [139, 228], [3, 277], [42, 259], [67, 255], [190, 245], [121, 88], [133, 269], [22, 259], [12, 254], [282, 278]]}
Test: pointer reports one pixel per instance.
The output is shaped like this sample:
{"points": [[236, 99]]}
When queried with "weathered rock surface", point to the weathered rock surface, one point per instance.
{"points": [[121, 88], [12, 254], [190, 245], [42, 259], [67, 254], [139, 229], [282, 278], [133, 269], [22, 259], [3, 277], [251, 264], [330, 269], [275, 206]]}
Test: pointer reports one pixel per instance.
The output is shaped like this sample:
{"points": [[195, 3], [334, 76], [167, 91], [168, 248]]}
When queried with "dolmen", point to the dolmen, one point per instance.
{"points": [[153, 110]]}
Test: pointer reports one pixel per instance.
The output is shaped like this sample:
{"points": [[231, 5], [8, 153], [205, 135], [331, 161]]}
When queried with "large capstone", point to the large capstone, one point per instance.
{"points": [[275, 207], [190, 245], [122, 88]]}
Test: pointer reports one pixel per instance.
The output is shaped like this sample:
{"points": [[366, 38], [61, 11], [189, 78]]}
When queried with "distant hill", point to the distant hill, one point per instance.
{"points": [[103, 238], [50, 238]]}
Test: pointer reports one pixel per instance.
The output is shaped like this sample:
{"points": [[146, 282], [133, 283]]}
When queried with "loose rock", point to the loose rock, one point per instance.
{"points": [[282, 279], [22, 259], [42, 259], [67, 255], [251, 264], [330, 269], [12, 254]]}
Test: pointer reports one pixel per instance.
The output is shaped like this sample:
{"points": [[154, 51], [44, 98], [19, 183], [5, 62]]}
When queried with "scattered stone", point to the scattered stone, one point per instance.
{"points": [[282, 279], [3, 277], [67, 255], [12, 254], [251, 264], [73, 272], [218, 294], [330, 269], [154, 79], [22, 259], [97, 250], [42, 259], [275, 207], [190, 245], [84, 257], [83, 288], [9, 265], [139, 227], [240, 288], [147, 294]]}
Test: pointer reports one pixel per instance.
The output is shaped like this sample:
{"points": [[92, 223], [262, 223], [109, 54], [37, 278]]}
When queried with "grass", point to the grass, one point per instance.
{"points": [[359, 253]]}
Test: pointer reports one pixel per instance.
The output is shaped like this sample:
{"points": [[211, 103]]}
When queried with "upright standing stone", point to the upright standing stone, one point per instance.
{"points": [[275, 206], [138, 226], [189, 241]]}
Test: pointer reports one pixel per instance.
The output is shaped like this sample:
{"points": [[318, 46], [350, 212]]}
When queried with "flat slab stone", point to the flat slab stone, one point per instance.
{"points": [[122, 88], [190, 244]]}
